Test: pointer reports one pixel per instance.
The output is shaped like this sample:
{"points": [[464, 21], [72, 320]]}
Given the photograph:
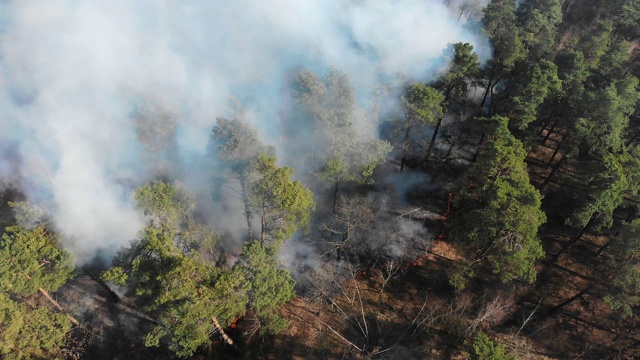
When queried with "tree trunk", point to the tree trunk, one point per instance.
{"points": [[405, 147], [486, 93], [450, 150], [475, 156], [549, 132], [433, 139], [114, 296], [335, 197], [453, 144], [575, 297], [584, 229], [549, 118], [553, 172], [541, 131], [263, 225], [633, 138], [555, 152], [606, 245], [247, 207], [571, 299], [491, 106], [55, 303], [224, 335]]}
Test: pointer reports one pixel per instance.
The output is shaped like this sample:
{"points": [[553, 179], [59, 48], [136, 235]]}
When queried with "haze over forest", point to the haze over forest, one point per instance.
{"points": [[320, 179], [79, 77]]}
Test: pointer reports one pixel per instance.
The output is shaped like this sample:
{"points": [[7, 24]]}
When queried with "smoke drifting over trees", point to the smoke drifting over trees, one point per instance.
{"points": [[88, 89], [320, 179]]}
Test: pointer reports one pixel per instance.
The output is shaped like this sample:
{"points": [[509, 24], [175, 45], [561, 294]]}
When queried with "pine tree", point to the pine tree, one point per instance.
{"points": [[497, 210], [32, 263]]}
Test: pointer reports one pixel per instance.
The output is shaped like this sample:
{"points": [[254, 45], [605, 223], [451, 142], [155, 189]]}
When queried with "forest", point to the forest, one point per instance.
{"points": [[442, 179]]}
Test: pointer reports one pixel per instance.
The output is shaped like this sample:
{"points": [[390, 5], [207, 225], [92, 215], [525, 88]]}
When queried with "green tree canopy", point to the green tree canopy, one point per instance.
{"points": [[528, 91], [165, 202], [181, 290], [30, 333], [31, 261], [539, 20], [464, 68], [339, 150], [283, 204], [188, 295], [486, 349], [602, 195], [500, 26], [623, 291], [269, 285], [605, 117], [497, 209]]}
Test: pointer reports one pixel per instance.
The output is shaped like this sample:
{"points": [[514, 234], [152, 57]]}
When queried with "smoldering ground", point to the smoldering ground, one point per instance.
{"points": [[74, 77]]}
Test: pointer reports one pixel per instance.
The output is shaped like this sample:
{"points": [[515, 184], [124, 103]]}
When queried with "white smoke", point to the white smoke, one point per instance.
{"points": [[73, 72]]}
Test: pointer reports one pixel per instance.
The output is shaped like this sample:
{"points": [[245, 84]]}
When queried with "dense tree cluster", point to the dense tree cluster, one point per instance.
{"points": [[534, 154]]}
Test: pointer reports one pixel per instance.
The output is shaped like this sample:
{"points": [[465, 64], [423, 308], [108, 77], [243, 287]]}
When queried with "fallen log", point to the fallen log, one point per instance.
{"points": [[55, 303], [224, 335], [114, 296]]}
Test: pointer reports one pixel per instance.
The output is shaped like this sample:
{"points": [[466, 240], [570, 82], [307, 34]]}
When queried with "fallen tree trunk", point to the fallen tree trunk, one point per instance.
{"points": [[55, 303], [224, 335], [113, 295]]}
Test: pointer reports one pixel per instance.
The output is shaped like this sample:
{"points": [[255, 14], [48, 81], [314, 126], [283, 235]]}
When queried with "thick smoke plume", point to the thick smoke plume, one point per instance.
{"points": [[99, 96]]}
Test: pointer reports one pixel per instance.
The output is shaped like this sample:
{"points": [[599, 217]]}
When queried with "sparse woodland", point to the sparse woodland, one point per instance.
{"points": [[495, 216]]}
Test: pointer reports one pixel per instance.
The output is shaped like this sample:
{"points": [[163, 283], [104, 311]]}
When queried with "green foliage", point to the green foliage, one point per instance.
{"points": [[623, 291], [368, 156], [596, 42], [32, 259], [331, 101], [27, 215], [485, 349], [168, 203], [270, 286], [344, 153], [170, 207], [498, 209], [184, 293], [530, 91], [117, 275], [605, 192], [182, 290], [235, 143], [573, 71], [613, 66], [500, 26], [464, 67], [357, 164], [285, 205], [189, 294], [423, 103], [27, 333], [459, 276], [627, 19], [605, 118], [539, 20]]}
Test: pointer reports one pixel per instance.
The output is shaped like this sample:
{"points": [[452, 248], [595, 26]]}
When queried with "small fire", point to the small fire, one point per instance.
{"points": [[446, 215], [234, 324]]}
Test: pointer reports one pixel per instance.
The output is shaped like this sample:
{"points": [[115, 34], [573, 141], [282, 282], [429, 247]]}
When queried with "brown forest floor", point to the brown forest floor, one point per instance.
{"points": [[418, 317]]}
